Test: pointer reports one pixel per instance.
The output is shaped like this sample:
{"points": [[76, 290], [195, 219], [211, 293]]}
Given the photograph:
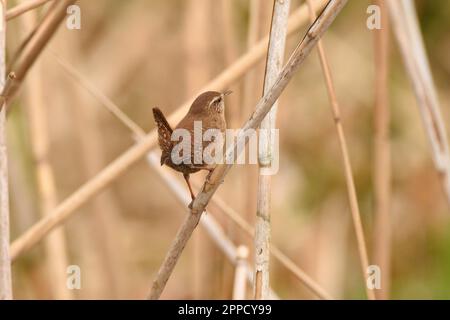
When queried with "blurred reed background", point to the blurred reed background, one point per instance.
{"points": [[143, 54]]}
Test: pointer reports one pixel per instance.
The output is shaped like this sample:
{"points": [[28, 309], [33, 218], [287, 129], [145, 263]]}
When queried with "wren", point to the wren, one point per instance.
{"points": [[209, 108]]}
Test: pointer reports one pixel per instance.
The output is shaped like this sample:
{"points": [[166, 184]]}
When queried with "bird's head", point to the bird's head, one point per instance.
{"points": [[209, 102]]}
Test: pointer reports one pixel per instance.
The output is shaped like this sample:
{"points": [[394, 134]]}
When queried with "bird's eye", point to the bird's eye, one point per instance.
{"points": [[216, 101]]}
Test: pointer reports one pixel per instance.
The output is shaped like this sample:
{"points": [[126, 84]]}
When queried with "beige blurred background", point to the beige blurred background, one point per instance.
{"points": [[143, 54]]}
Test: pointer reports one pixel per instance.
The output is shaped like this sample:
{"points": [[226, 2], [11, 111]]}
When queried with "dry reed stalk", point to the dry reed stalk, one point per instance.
{"points": [[99, 96], [259, 23], [207, 222], [211, 185], [351, 189], [56, 258], [221, 205], [266, 149], [212, 228], [139, 133], [240, 273], [61, 213], [32, 48], [5, 259], [409, 38], [250, 96], [382, 167], [23, 8], [282, 258]]}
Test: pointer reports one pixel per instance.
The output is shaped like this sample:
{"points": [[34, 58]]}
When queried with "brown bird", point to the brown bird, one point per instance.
{"points": [[209, 108]]}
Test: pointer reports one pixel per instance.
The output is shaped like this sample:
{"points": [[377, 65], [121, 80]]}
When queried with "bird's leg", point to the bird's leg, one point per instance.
{"points": [[186, 177], [208, 177]]}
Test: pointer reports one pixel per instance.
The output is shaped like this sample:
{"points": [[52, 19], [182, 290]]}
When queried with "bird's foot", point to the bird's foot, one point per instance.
{"points": [[208, 177]]}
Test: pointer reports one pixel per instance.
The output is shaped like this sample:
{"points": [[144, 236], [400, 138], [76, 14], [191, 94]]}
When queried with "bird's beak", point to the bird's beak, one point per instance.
{"points": [[227, 93]]}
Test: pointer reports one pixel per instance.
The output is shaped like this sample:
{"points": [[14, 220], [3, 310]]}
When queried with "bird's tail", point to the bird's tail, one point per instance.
{"points": [[164, 134]]}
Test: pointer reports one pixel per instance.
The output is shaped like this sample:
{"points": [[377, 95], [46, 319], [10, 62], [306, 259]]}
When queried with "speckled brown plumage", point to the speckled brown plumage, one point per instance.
{"points": [[209, 108]]}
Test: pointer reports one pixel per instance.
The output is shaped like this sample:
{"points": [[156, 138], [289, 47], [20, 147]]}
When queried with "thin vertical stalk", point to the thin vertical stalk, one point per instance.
{"points": [[5, 259], [275, 56], [56, 259], [259, 17], [207, 222], [351, 189], [382, 168], [32, 48], [409, 38]]}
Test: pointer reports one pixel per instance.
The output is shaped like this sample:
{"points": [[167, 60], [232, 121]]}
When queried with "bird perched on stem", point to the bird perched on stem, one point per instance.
{"points": [[208, 109]]}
